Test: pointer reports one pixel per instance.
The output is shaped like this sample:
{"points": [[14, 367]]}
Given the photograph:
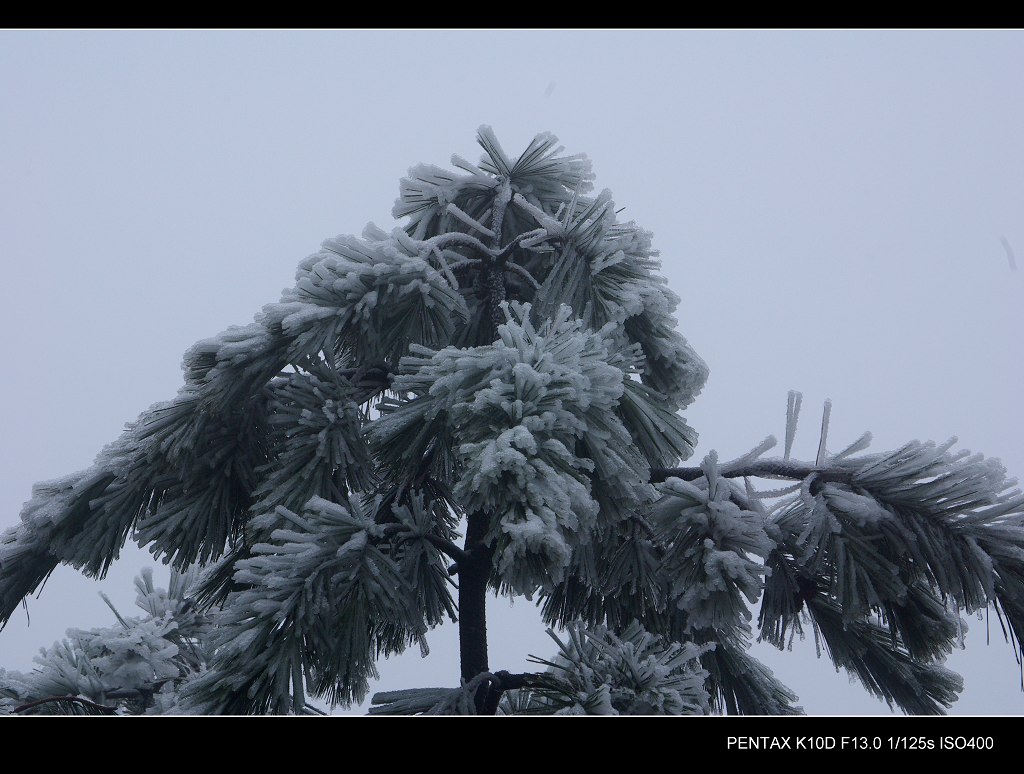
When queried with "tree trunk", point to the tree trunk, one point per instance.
{"points": [[474, 572], [475, 567]]}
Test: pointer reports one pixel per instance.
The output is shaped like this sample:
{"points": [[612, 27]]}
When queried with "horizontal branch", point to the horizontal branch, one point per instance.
{"points": [[511, 682], [760, 469], [102, 708], [505, 681]]}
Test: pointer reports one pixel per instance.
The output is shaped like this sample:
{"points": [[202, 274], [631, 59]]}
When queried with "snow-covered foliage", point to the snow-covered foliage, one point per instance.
{"points": [[598, 672], [532, 428], [502, 369], [715, 549], [136, 666], [318, 603]]}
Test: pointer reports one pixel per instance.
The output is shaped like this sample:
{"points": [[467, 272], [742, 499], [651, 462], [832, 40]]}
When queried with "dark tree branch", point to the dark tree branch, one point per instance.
{"points": [[760, 469], [446, 547], [101, 708], [512, 682], [505, 681]]}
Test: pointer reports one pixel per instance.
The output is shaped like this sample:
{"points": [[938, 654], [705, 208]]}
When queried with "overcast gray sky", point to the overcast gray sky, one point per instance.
{"points": [[831, 207]]}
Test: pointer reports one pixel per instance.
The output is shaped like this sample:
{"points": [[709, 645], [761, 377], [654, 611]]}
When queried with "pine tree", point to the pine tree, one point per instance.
{"points": [[504, 371]]}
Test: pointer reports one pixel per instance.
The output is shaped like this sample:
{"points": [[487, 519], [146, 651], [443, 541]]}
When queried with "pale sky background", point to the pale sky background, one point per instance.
{"points": [[829, 206]]}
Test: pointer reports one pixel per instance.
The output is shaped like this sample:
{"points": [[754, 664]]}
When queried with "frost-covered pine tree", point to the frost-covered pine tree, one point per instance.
{"points": [[487, 400]]}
